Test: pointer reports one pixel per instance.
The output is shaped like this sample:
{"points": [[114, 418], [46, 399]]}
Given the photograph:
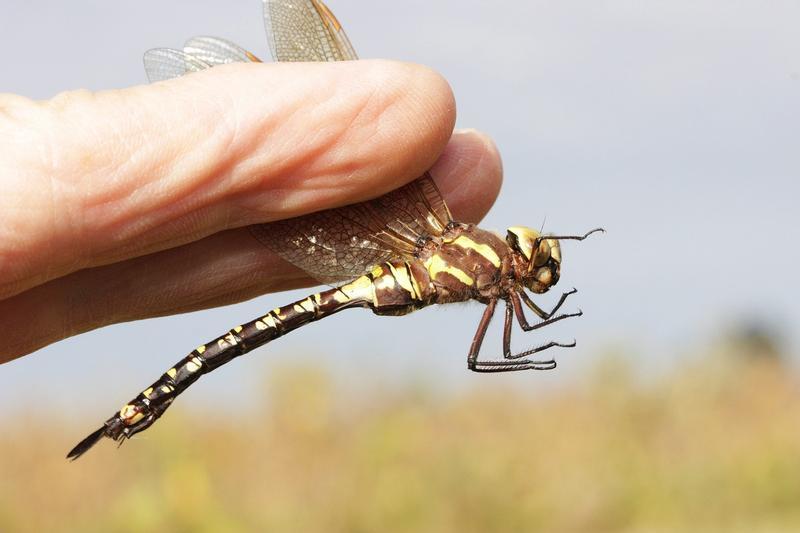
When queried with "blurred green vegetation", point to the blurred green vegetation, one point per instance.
{"points": [[712, 446]]}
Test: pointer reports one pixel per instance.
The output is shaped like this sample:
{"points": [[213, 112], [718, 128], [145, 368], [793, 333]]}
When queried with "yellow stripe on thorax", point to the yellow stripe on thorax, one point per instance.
{"points": [[483, 249], [436, 265]]}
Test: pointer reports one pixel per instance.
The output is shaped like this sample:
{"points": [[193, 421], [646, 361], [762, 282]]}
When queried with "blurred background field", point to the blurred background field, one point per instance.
{"points": [[713, 445]]}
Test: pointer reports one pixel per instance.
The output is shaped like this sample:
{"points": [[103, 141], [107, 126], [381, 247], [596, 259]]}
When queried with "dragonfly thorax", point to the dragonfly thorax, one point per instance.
{"points": [[538, 265]]}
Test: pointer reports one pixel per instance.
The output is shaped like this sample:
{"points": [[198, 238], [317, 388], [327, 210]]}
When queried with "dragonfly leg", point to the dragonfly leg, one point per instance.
{"points": [[477, 340], [513, 304], [513, 366], [513, 362], [544, 315], [548, 318]]}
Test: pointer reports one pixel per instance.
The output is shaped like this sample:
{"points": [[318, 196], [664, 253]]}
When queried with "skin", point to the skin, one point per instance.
{"points": [[128, 204]]}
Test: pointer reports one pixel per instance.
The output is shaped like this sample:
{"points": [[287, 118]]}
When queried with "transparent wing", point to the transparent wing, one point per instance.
{"points": [[305, 30], [166, 63], [215, 51], [339, 244]]}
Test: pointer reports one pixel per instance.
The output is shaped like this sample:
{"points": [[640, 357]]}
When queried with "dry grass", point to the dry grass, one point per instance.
{"points": [[716, 448]]}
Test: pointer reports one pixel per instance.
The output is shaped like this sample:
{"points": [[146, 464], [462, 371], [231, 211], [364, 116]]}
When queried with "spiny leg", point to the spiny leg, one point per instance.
{"points": [[514, 298], [512, 366], [515, 305], [477, 340], [544, 315], [514, 362]]}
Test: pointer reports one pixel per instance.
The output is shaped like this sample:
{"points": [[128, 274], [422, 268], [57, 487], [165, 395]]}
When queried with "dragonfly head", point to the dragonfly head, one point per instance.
{"points": [[541, 258]]}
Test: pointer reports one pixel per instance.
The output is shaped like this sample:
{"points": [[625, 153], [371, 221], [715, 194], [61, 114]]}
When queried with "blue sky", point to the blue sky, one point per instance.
{"points": [[674, 125]]}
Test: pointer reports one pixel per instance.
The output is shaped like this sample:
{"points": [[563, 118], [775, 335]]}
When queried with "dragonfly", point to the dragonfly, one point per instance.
{"points": [[394, 254]]}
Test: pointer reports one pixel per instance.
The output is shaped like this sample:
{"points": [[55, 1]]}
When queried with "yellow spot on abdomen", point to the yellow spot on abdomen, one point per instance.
{"points": [[359, 288], [403, 277], [269, 321], [130, 414], [384, 282]]}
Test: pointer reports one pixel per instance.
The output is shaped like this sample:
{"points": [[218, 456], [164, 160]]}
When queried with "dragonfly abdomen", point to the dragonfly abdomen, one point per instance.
{"points": [[400, 288], [390, 288]]}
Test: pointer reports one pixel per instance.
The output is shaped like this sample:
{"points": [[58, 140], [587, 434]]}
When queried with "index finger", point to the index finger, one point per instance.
{"points": [[99, 178]]}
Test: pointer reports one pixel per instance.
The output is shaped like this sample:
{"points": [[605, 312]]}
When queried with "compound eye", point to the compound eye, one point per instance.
{"points": [[522, 240], [542, 254], [544, 276], [555, 251]]}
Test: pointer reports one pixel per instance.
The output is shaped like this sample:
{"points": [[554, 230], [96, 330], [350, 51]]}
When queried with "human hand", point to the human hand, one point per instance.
{"points": [[128, 204]]}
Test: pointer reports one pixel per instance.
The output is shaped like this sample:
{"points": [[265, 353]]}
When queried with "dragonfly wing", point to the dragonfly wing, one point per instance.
{"points": [[305, 30], [346, 50], [339, 244], [215, 51], [166, 63]]}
